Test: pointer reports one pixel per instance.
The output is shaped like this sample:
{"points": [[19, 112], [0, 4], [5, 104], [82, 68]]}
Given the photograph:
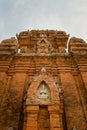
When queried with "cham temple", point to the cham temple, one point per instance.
{"points": [[43, 81]]}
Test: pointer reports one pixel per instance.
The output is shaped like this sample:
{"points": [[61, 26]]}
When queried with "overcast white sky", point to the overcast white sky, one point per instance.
{"points": [[65, 15]]}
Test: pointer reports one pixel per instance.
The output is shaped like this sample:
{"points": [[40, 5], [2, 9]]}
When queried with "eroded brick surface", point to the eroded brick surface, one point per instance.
{"points": [[35, 58]]}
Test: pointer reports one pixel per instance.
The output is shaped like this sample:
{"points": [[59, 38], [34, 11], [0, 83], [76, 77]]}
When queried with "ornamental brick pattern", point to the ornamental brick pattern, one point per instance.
{"points": [[43, 81]]}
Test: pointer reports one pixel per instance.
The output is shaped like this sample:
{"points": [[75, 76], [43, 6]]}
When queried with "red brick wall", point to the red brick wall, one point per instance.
{"points": [[18, 70]]}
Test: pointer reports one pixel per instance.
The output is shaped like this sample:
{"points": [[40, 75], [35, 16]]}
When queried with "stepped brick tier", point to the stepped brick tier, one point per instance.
{"points": [[43, 81]]}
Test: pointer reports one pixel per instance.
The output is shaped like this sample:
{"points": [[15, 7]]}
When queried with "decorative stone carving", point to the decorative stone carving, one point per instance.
{"points": [[43, 43], [43, 91], [43, 35], [22, 50], [23, 34], [43, 69]]}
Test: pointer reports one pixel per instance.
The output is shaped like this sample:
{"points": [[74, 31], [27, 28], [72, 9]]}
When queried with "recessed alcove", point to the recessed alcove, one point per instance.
{"points": [[43, 118], [43, 43]]}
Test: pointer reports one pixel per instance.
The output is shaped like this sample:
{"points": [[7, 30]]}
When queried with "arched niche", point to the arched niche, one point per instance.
{"points": [[43, 43], [43, 91], [43, 106], [36, 87]]}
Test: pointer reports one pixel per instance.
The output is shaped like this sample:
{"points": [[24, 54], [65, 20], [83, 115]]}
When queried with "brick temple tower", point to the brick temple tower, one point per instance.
{"points": [[43, 82]]}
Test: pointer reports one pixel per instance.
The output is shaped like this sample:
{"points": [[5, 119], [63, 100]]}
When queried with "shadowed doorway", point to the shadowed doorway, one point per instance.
{"points": [[43, 118]]}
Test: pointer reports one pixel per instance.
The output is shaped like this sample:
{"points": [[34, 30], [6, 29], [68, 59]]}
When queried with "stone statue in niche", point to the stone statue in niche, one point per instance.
{"points": [[43, 91]]}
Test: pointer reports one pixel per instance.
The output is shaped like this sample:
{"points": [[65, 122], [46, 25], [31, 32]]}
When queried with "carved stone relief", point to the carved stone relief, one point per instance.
{"points": [[43, 91]]}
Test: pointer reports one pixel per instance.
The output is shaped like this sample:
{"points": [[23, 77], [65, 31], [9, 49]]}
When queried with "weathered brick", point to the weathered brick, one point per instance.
{"points": [[42, 59]]}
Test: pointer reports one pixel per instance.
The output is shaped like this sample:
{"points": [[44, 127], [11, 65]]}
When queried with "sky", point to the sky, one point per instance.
{"points": [[63, 15]]}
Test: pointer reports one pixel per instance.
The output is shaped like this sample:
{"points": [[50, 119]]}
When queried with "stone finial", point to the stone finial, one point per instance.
{"points": [[43, 69]]}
